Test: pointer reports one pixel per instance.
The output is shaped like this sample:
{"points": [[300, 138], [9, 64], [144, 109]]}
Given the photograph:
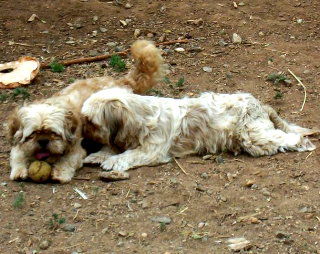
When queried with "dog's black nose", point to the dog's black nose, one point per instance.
{"points": [[43, 142]]}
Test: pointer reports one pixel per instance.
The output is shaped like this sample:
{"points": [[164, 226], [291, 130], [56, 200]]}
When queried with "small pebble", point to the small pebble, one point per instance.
{"points": [[236, 39], [265, 192], [144, 235], [238, 243], [123, 23], [299, 21], [105, 230], [128, 6], [137, 33], [201, 224], [111, 44], [93, 52], [207, 69], [69, 228], [180, 50], [77, 205], [223, 43], [204, 175], [103, 30], [44, 245], [94, 33], [249, 183], [122, 233]]}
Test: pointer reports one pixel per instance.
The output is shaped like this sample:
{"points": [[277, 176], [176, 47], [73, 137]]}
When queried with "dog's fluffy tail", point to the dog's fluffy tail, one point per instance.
{"points": [[148, 68], [283, 125]]}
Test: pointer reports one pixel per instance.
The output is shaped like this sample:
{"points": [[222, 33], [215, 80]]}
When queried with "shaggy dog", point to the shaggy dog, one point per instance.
{"points": [[51, 129], [153, 130]]}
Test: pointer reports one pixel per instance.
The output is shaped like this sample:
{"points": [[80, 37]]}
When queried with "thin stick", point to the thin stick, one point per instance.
{"points": [[304, 89], [180, 166], [103, 57], [308, 155]]}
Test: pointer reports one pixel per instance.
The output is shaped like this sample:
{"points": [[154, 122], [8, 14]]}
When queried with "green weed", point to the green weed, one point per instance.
{"points": [[19, 200], [277, 78], [56, 221], [278, 95], [56, 67], [117, 63], [180, 82]]}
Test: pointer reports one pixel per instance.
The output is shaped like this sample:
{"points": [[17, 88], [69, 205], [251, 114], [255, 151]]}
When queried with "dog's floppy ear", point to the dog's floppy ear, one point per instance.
{"points": [[72, 125], [13, 132], [124, 124]]}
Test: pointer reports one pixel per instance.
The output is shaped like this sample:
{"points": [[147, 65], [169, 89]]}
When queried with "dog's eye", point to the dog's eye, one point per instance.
{"points": [[31, 136]]}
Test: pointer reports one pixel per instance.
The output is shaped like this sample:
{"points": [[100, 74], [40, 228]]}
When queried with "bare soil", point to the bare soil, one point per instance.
{"points": [[279, 213]]}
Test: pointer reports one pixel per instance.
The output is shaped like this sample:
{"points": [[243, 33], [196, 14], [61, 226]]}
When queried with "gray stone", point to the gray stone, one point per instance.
{"points": [[161, 219], [223, 43], [44, 245], [111, 44], [69, 228], [204, 175], [93, 52], [103, 30]]}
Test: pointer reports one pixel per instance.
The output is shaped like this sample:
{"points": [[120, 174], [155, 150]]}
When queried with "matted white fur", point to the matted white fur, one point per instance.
{"points": [[152, 130]]}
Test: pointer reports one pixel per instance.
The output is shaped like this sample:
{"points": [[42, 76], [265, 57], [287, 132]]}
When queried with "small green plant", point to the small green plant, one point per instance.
{"points": [[71, 80], [19, 200], [166, 80], [117, 63], [277, 78], [180, 82], [278, 95], [162, 226], [56, 221], [155, 92], [56, 67], [20, 91], [3, 97], [196, 236]]}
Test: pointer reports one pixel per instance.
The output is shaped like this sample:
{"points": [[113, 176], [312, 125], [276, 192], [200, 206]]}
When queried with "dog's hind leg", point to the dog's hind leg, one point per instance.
{"points": [[259, 142], [285, 126]]}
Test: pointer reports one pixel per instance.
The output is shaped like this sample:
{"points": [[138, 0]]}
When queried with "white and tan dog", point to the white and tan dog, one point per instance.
{"points": [[51, 129], [153, 130]]}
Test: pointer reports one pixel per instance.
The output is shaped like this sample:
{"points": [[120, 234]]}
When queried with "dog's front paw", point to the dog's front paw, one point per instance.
{"points": [[61, 176], [19, 174], [95, 158], [115, 163]]}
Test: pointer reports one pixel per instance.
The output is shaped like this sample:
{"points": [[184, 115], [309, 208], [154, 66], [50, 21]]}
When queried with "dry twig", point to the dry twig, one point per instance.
{"points": [[180, 166], [304, 89], [104, 57]]}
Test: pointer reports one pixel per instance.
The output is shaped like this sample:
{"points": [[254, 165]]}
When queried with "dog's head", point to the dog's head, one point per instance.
{"points": [[113, 117], [43, 131]]}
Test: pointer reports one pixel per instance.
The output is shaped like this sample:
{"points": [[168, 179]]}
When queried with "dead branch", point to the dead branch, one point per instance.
{"points": [[104, 57]]}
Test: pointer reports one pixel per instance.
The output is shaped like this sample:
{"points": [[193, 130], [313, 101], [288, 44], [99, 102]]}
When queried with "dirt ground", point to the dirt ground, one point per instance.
{"points": [[273, 202]]}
